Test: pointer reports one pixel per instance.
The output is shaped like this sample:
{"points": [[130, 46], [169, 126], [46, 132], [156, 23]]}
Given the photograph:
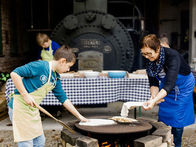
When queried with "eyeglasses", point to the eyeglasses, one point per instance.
{"points": [[146, 54]]}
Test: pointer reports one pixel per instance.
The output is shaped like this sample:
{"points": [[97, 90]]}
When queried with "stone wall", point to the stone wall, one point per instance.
{"points": [[160, 137]]}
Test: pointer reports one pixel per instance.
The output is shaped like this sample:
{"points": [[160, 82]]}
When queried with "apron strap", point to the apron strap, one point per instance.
{"points": [[50, 71], [50, 46]]}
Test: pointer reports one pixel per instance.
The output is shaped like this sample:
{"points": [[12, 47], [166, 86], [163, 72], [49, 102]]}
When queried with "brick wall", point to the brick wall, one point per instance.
{"points": [[5, 24], [8, 63]]}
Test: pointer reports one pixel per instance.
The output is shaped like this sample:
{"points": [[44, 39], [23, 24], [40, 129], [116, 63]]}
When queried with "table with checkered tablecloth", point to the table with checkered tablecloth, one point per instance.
{"points": [[85, 91]]}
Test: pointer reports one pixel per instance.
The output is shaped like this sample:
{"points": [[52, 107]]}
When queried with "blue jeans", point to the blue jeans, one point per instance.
{"points": [[35, 142], [177, 132], [10, 113]]}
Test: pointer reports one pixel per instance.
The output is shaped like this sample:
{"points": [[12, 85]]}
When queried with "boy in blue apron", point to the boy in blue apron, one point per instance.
{"points": [[48, 47], [171, 84], [33, 81]]}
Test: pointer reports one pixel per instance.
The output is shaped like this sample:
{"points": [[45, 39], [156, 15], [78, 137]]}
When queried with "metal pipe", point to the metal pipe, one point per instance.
{"points": [[83, 5]]}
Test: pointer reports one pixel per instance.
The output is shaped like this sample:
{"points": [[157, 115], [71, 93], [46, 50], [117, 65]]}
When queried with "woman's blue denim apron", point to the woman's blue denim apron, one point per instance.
{"points": [[177, 110]]}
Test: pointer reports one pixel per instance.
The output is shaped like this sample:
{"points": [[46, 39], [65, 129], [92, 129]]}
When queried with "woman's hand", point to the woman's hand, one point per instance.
{"points": [[157, 102], [29, 100], [149, 104], [160, 101]]}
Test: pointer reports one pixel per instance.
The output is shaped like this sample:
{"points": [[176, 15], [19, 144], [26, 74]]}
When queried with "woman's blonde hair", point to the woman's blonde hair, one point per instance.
{"points": [[41, 38]]}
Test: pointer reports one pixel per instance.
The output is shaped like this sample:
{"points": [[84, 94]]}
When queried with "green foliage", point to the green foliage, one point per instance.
{"points": [[4, 76]]}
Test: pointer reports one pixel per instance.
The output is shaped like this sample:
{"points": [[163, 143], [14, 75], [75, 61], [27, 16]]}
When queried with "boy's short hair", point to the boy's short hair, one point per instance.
{"points": [[65, 52], [150, 41], [41, 38]]}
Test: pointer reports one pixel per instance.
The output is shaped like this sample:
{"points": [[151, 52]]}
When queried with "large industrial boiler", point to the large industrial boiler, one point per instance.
{"points": [[100, 40]]}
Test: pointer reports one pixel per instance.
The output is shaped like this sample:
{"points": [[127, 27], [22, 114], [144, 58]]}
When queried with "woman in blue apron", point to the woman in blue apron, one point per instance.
{"points": [[171, 84]]}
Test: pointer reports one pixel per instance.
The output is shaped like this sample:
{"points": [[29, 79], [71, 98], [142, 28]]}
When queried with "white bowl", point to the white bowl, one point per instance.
{"points": [[91, 74], [83, 71], [67, 75]]}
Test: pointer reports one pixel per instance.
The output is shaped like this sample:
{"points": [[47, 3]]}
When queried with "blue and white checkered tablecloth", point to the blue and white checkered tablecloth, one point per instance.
{"points": [[97, 90]]}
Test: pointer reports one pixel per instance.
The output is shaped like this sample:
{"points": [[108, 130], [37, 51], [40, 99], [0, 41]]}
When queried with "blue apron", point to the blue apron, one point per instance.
{"points": [[177, 110]]}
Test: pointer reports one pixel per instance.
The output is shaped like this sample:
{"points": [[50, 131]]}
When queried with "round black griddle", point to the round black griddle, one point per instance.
{"points": [[135, 127]]}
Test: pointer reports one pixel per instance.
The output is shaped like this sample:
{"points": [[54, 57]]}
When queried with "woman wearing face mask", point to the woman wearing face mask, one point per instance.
{"points": [[171, 84]]}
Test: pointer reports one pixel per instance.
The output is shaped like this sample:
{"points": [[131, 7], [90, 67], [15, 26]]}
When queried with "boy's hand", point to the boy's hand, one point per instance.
{"points": [[29, 100], [83, 119]]}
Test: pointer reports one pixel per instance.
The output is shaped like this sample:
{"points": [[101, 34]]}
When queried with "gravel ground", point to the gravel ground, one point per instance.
{"points": [[52, 138], [189, 138], [189, 141], [52, 130]]}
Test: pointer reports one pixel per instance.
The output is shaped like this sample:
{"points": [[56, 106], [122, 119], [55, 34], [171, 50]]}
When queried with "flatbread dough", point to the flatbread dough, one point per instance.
{"points": [[129, 105], [121, 119], [98, 122]]}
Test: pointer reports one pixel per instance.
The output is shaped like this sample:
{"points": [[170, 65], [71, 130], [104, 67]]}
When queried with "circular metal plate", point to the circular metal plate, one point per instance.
{"points": [[135, 127]]}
